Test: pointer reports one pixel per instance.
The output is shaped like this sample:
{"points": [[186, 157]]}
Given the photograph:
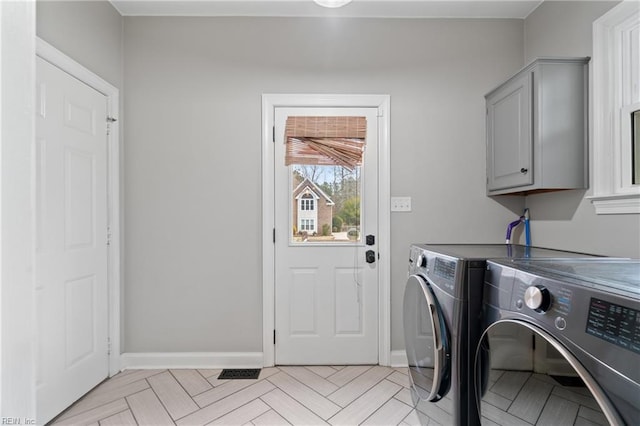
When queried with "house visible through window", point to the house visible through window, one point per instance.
{"points": [[324, 155]]}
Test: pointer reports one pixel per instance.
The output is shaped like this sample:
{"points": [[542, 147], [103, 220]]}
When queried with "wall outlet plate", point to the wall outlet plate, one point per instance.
{"points": [[400, 204]]}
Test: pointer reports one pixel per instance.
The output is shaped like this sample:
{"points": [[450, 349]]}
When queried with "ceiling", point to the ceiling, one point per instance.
{"points": [[307, 8]]}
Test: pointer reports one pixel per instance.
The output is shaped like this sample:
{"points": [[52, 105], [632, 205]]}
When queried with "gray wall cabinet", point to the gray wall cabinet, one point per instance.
{"points": [[537, 128]]}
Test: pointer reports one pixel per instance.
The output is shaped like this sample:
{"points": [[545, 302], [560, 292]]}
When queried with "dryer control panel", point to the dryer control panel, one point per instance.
{"points": [[438, 269], [445, 268]]}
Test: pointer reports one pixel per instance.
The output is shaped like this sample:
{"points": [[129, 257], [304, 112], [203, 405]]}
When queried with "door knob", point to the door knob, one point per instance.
{"points": [[370, 256], [524, 171]]}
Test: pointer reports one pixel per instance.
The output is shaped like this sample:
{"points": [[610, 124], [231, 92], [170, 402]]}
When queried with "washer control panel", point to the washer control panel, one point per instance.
{"points": [[575, 311], [541, 298], [599, 322], [614, 323]]}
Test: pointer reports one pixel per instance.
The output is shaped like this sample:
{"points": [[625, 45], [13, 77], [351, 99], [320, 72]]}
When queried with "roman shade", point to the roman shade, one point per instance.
{"points": [[326, 141]]}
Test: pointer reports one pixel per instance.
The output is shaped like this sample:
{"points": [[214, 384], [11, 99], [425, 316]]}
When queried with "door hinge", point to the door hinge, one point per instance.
{"points": [[108, 235], [274, 337], [109, 346], [109, 121], [274, 235], [273, 134]]}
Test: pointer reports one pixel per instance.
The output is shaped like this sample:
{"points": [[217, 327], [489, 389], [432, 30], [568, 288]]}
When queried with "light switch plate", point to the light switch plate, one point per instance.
{"points": [[400, 204]]}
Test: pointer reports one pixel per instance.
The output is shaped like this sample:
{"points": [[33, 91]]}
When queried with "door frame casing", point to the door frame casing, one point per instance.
{"points": [[54, 56], [269, 103]]}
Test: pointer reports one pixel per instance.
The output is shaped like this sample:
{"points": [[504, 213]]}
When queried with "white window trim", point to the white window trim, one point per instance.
{"points": [[612, 85]]}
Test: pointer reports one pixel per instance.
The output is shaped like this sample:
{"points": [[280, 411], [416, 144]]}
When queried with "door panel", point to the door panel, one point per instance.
{"points": [[79, 199], [326, 304], [79, 321], [347, 302], [303, 312], [71, 240]]}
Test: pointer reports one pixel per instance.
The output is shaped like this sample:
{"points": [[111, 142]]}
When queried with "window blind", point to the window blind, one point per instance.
{"points": [[325, 141]]}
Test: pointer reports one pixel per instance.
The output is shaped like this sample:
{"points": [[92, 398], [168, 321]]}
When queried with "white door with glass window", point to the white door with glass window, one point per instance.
{"points": [[326, 204], [71, 240]]}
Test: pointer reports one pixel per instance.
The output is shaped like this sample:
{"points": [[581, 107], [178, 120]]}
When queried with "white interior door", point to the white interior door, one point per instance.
{"points": [[326, 293], [71, 240]]}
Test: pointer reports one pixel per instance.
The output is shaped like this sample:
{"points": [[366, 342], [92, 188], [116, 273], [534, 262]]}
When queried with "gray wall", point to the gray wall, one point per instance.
{"points": [[566, 219], [193, 181], [90, 32], [192, 90]]}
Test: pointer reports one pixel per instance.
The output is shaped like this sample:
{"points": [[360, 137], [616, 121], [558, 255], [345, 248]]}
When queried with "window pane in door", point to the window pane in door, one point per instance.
{"points": [[325, 204]]}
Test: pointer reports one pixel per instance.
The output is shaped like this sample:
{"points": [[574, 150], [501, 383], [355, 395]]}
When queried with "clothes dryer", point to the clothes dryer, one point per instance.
{"points": [[442, 324], [562, 339]]}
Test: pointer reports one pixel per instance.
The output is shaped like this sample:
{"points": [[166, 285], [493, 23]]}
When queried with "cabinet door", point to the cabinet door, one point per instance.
{"points": [[509, 135]]}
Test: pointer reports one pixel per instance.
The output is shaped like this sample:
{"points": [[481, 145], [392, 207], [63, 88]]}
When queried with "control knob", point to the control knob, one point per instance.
{"points": [[422, 261], [538, 298]]}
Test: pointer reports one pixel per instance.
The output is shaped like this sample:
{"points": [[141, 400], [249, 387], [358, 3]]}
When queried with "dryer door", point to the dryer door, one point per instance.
{"points": [[427, 341], [564, 392]]}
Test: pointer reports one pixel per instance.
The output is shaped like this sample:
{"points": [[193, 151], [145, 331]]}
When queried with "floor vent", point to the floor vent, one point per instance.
{"points": [[571, 381], [239, 373]]}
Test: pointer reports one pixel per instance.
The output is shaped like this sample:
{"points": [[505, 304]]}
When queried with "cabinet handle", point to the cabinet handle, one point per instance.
{"points": [[524, 171]]}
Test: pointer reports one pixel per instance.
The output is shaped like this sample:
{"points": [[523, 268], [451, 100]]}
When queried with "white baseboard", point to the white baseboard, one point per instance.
{"points": [[162, 360], [399, 359]]}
